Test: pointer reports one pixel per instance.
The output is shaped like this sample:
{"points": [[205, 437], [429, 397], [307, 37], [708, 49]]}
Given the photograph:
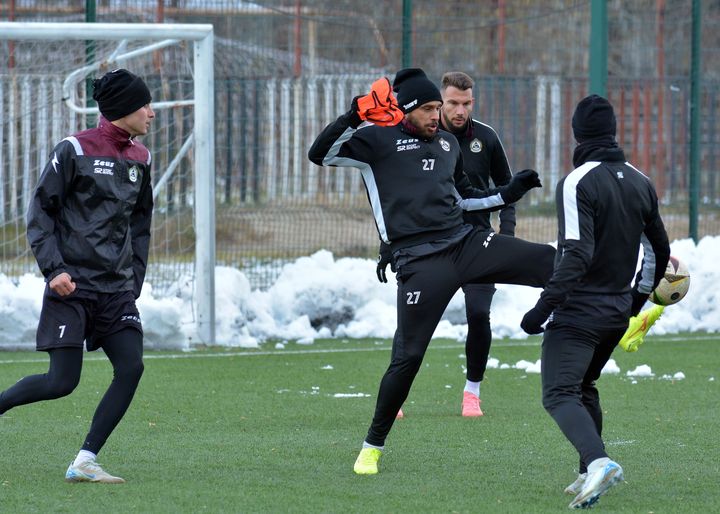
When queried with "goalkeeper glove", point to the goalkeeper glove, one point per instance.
{"points": [[379, 106]]}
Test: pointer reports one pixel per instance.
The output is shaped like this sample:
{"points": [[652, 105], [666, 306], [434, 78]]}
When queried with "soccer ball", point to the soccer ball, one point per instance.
{"points": [[674, 285]]}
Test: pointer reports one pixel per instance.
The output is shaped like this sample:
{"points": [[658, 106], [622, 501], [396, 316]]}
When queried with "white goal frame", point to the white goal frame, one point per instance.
{"points": [[203, 136]]}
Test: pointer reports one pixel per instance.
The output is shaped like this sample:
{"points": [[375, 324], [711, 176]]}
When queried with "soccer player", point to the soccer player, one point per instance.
{"points": [[606, 209], [89, 228], [413, 173], [484, 161]]}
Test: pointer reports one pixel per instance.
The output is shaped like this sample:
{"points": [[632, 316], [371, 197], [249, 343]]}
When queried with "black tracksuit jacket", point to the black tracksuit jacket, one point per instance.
{"points": [[91, 210], [416, 187], [484, 159], [605, 208]]}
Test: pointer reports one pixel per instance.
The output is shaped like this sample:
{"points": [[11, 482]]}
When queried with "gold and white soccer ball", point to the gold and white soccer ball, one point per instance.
{"points": [[674, 285]]}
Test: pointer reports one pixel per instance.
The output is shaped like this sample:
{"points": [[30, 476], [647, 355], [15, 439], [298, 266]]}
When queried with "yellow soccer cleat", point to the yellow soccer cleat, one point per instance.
{"points": [[367, 461], [638, 328]]}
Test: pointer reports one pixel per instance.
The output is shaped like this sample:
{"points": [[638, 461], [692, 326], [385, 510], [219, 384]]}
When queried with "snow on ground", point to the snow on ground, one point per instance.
{"points": [[319, 296]]}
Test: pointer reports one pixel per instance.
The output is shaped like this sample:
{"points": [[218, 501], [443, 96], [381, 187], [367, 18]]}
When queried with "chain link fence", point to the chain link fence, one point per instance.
{"points": [[284, 69]]}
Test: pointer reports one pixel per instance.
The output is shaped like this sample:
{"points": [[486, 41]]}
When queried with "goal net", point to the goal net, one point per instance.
{"points": [[46, 73]]}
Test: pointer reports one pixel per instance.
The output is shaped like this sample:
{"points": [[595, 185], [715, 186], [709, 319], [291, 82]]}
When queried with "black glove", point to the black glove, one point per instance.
{"points": [[353, 115], [534, 318], [384, 259], [638, 300], [507, 230], [522, 182]]}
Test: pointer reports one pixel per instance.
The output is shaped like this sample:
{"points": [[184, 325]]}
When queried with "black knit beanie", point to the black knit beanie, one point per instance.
{"points": [[119, 93], [594, 117], [413, 88]]}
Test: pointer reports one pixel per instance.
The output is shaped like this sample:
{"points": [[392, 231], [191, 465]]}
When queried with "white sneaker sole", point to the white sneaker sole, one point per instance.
{"points": [[612, 474]]}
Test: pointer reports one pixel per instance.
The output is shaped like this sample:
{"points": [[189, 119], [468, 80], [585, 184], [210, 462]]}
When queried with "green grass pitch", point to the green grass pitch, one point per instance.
{"points": [[218, 430]]}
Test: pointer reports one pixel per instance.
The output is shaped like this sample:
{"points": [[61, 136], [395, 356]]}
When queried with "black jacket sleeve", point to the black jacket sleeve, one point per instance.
{"points": [[463, 184], [323, 144], [473, 198], [656, 252], [140, 222], [501, 175], [492, 199], [46, 203]]}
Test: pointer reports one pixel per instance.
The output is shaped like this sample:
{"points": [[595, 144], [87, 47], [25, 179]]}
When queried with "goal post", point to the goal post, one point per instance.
{"points": [[19, 122]]}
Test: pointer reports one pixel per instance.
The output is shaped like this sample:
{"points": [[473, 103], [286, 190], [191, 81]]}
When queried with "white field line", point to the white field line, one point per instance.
{"points": [[318, 351]]}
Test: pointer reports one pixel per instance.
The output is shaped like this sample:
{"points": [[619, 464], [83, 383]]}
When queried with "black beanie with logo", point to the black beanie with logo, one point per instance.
{"points": [[119, 93], [594, 117], [413, 88]]}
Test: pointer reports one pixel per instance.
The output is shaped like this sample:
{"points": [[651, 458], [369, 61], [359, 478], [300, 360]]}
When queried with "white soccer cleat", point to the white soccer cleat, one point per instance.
{"points": [[575, 488], [602, 475], [90, 471]]}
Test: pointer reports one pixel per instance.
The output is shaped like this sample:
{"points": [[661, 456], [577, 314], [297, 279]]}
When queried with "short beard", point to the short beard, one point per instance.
{"points": [[451, 128], [426, 132]]}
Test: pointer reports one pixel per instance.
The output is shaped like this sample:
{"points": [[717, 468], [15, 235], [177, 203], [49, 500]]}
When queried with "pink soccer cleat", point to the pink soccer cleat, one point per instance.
{"points": [[471, 405]]}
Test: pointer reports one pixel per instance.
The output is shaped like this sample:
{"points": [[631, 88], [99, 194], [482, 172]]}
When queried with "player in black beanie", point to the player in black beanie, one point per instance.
{"points": [[594, 127], [413, 89], [417, 188], [606, 210], [119, 93], [594, 117], [88, 224]]}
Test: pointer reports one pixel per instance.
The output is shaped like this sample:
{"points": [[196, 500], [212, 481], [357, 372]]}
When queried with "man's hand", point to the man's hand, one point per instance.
{"points": [[384, 259], [379, 106], [528, 178], [62, 284], [521, 182], [532, 322]]}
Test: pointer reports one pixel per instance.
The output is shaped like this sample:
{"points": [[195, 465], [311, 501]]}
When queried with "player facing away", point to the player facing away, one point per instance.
{"points": [[413, 174], [606, 210], [89, 228]]}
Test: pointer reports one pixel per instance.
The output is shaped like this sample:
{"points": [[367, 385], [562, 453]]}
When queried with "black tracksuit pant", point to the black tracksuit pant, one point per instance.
{"points": [[572, 359], [425, 287], [478, 298], [123, 348]]}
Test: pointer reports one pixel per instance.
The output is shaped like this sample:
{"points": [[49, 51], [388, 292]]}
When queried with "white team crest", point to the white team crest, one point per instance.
{"points": [[476, 146], [133, 173], [444, 145]]}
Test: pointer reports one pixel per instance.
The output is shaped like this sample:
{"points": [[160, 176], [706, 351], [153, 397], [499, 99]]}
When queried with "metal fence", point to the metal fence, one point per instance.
{"points": [[286, 68]]}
